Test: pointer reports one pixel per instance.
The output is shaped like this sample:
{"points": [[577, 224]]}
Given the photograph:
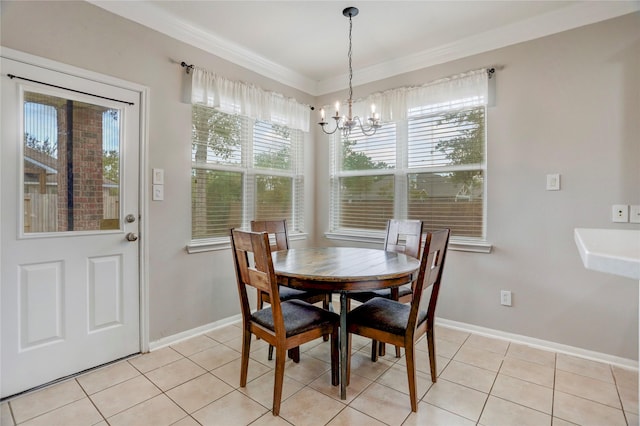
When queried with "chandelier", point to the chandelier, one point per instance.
{"points": [[347, 122]]}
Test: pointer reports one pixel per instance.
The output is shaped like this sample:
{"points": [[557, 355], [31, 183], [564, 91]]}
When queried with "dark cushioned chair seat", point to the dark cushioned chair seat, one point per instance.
{"points": [[298, 317], [288, 293], [385, 292], [384, 314]]}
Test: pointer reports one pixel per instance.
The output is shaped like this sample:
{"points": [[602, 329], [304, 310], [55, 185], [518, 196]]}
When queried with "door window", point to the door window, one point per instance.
{"points": [[71, 157]]}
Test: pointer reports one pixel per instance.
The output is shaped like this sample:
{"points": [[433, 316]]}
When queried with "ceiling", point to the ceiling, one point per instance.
{"points": [[304, 43]]}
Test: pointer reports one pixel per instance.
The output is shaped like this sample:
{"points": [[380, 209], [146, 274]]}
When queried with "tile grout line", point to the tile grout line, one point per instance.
{"points": [[615, 383], [553, 390], [75, 379], [484, 406]]}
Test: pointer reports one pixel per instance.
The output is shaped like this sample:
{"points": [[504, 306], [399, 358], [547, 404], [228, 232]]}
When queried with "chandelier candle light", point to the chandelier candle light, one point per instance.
{"points": [[348, 122]]}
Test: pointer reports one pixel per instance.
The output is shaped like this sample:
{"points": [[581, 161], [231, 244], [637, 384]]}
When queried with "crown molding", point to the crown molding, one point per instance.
{"points": [[567, 18], [150, 16]]}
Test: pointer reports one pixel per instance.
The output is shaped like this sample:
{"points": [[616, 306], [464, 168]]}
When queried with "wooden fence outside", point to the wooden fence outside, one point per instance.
{"points": [[41, 211]]}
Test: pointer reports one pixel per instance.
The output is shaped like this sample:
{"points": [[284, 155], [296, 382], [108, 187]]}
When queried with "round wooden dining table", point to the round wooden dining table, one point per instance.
{"points": [[343, 270]]}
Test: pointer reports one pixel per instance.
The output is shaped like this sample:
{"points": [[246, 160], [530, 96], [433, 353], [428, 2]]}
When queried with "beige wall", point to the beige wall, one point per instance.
{"points": [[565, 104]]}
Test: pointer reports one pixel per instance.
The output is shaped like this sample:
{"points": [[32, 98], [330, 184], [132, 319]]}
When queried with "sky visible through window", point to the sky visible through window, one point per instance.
{"points": [[41, 123]]}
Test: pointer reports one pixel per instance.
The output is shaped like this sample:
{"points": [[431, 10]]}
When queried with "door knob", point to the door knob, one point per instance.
{"points": [[131, 236]]}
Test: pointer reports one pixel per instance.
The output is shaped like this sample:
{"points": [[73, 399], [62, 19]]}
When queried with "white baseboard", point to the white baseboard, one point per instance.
{"points": [[469, 328], [540, 344], [188, 334]]}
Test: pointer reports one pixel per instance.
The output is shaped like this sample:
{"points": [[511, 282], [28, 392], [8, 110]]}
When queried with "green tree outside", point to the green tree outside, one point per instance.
{"points": [[217, 196], [468, 146]]}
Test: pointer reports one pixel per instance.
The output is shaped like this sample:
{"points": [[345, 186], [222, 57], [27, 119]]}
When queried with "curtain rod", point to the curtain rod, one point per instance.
{"points": [[11, 76], [183, 64]]}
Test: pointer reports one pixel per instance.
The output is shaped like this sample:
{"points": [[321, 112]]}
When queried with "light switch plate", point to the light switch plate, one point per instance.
{"points": [[634, 214], [553, 182], [158, 193], [158, 176]]}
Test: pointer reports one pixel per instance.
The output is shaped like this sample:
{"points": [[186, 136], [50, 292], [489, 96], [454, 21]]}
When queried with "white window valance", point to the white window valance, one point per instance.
{"points": [[235, 97], [396, 104]]}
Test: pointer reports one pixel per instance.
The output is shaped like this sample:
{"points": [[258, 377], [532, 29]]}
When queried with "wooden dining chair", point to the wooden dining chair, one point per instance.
{"points": [[277, 229], [399, 324], [286, 324], [403, 236]]}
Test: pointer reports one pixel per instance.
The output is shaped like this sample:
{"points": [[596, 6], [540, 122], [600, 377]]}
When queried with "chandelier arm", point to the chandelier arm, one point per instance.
{"points": [[368, 130], [323, 127]]}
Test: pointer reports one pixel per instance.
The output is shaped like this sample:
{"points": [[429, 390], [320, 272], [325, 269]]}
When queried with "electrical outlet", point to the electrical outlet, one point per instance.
{"points": [[505, 297], [620, 213], [634, 214]]}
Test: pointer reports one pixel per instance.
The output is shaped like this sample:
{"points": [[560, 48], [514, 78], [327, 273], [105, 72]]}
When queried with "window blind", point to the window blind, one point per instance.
{"points": [[452, 143], [243, 169]]}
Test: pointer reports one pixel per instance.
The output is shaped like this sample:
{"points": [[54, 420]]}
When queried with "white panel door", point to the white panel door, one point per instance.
{"points": [[70, 290]]}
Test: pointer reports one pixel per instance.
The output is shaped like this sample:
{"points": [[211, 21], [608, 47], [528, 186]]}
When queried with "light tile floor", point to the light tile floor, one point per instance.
{"points": [[482, 381]]}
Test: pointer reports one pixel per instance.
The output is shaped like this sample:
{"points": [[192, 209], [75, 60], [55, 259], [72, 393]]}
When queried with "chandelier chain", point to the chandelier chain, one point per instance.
{"points": [[348, 121], [350, 54]]}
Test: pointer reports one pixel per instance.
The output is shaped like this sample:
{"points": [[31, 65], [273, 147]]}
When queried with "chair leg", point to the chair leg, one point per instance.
{"points": [[244, 362], [348, 379], [374, 350], [294, 354], [382, 350], [279, 379], [335, 358], [432, 354], [410, 355]]}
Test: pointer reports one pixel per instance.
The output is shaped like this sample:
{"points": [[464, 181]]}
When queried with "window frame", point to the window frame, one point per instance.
{"points": [[250, 172]]}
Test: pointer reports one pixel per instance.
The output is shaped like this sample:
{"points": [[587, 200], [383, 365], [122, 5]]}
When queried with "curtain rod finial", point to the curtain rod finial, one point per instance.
{"points": [[188, 67]]}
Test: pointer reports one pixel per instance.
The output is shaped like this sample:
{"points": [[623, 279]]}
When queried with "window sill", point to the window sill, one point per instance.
{"points": [[214, 244], [455, 244]]}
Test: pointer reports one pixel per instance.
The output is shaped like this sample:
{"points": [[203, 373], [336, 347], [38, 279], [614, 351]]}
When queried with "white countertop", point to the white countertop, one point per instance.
{"points": [[615, 251]]}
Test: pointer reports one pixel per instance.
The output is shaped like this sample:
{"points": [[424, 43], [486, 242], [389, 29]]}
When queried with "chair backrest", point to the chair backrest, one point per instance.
{"points": [[277, 228], [404, 236], [431, 267], [259, 273]]}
